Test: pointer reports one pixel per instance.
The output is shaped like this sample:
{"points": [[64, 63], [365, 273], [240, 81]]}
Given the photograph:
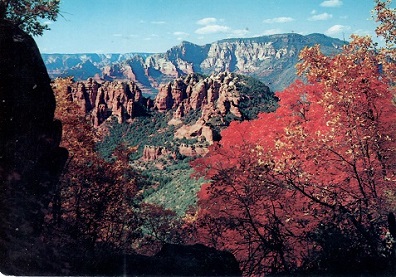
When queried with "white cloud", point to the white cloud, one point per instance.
{"points": [[337, 29], [313, 12], [212, 29], [322, 16], [282, 19], [158, 22], [125, 37], [331, 3], [207, 21], [180, 34], [362, 32], [271, 32], [240, 33]]}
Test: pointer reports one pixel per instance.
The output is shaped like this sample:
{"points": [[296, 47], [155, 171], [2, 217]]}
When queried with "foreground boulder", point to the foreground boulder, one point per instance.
{"points": [[30, 157], [172, 260], [195, 260]]}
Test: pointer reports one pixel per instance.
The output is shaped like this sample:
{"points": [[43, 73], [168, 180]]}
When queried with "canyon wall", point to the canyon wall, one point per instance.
{"points": [[271, 59]]}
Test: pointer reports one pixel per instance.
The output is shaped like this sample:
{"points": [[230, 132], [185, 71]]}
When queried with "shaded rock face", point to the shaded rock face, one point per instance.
{"points": [[30, 157], [120, 99]]}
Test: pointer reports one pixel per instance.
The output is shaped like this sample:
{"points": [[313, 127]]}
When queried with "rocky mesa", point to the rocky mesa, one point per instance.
{"points": [[271, 59], [196, 107]]}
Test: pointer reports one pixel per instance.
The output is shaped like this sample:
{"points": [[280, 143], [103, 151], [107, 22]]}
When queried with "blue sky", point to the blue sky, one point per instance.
{"points": [[122, 26]]}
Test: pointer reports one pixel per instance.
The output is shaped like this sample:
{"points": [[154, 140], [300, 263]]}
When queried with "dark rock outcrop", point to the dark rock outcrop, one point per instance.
{"points": [[30, 157], [172, 260], [197, 260]]}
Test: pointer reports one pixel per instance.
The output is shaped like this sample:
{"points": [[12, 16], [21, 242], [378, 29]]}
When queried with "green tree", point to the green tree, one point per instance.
{"points": [[30, 15]]}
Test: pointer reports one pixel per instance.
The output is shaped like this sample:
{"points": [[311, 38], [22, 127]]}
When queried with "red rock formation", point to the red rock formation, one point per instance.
{"points": [[187, 150], [193, 150], [151, 153], [207, 133], [129, 108], [213, 90], [178, 92], [170, 95], [79, 96], [163, 101], [198, 130], [198, 95], [91, 89], [108, 98], [216, 95], [218, 91]]}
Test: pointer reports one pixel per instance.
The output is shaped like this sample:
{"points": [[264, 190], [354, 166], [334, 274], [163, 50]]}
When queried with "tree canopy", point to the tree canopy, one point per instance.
{"points": [[30, 15], [311, 185]]}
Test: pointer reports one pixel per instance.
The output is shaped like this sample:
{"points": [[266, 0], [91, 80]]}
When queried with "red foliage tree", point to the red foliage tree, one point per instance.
{"points": [[95, 203], [159, 226], [97, 208], [324, 160]]}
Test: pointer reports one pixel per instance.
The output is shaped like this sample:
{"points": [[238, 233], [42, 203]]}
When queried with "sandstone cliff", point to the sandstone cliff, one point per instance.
{"points": [[187, 115], [217, 99], [123, 100], [269, 58]]}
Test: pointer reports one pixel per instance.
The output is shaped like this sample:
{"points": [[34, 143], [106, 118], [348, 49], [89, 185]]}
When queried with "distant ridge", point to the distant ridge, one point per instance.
{"points": [[271, 59]]}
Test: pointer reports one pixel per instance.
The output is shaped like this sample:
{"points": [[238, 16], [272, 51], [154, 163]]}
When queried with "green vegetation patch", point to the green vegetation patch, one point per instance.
{"points": [[150, 130], [179, 193]]}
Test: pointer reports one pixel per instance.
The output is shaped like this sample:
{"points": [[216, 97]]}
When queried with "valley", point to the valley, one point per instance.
{"points": [[168, 132], [168, 111], [158, 138], [210, 153]]}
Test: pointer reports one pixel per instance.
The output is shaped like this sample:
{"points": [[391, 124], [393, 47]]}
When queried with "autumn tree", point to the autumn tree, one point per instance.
{"points": [[29, 15], [94, 206], [323, 163], [97, 207], [159, 226], [386, 17]]}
